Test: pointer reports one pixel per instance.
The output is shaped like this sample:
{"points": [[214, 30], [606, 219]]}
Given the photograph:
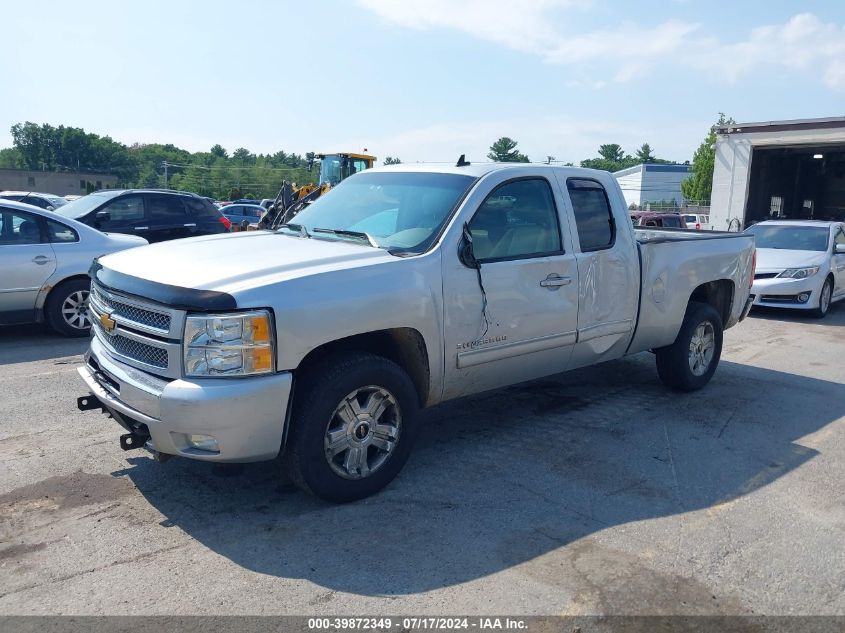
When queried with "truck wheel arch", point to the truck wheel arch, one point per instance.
{"points": [[404, 346], [719, 294]]}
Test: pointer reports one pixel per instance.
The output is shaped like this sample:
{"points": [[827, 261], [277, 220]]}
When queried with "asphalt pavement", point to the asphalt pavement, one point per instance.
{"points": [[595, 491]]}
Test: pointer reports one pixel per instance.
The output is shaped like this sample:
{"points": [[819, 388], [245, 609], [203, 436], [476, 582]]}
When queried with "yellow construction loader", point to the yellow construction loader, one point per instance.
{"points": [[292, 199]]}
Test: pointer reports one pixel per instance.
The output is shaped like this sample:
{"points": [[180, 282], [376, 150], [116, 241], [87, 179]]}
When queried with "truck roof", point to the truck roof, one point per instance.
{"points": [[477, 170]]}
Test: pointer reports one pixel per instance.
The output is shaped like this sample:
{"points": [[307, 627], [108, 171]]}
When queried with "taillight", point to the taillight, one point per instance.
{"points": [[225, 222], [753, 267]]}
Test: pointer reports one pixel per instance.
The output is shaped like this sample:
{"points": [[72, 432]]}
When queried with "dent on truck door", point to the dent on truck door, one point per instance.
{"points": [[531, 287], [608, 273]]}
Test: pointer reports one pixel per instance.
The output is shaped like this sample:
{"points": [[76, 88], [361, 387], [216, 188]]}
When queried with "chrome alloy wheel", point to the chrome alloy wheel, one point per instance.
{"points": [[701, 348], [75, 310], [362, 432]]}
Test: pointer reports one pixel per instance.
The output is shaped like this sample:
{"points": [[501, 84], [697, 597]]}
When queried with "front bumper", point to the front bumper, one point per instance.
{"points": [[783, 293], [246, 416]]}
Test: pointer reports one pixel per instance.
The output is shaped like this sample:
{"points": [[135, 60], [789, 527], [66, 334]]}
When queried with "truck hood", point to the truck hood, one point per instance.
{"points": [[232, 262], [771, 259]]}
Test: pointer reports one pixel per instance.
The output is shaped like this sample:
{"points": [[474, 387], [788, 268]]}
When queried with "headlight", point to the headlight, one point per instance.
{"points": [[799, 273], [229, 344]]}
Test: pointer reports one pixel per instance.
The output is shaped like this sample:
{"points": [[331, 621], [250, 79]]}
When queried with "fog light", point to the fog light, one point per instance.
{"points": [[804, 297], [202, 443]]}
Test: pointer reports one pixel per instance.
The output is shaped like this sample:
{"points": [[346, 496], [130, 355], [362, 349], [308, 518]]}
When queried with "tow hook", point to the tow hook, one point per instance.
{"points": [[87, 403], [131, 441]]}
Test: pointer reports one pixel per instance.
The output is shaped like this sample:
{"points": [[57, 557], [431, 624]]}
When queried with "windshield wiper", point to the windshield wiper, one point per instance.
{"points": [[299, 228], [359, 235]]}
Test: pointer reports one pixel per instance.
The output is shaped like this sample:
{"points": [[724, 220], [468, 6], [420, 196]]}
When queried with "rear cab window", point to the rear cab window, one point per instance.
{"points": [[593, 215]]}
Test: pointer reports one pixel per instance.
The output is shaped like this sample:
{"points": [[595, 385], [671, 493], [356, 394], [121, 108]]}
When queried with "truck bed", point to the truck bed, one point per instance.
{"points": [[677, 262]]}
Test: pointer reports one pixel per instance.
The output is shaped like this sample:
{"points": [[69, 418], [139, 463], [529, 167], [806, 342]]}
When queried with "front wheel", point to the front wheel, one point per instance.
{"points": [[825, 297], [690, 362], [354, 421]]}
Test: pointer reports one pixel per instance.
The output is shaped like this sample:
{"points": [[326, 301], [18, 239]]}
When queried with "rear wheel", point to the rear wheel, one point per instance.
{"points": [[690, 362], [66, 309], [353, 426], [824, 299]]}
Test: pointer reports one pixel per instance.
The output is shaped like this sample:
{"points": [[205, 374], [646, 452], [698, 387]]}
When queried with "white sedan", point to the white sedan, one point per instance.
{"points": [[800, 264], [44, 261]]}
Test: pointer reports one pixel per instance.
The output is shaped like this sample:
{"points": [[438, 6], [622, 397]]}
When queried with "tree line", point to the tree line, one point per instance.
{"points": [[611, 157], [219, 174]]}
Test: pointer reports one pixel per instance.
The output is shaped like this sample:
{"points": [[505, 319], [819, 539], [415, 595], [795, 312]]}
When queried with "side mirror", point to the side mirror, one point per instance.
{"points": [[50, 207], [839, 249], [103, 215], [465, 250]]}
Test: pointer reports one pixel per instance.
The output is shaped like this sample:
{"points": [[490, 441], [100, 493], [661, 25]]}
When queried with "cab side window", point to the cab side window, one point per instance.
{"points": [[593, 217], [517, 220]]}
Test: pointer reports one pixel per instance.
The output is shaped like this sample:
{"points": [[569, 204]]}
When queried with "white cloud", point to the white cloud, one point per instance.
{"points": [[628, 51]]}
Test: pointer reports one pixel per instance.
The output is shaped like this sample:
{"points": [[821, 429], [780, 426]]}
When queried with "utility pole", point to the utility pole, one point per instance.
{"points": [[165, 174]]}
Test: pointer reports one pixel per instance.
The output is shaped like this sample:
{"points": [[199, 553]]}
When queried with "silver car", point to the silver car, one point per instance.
{"points": [[44, 262]]}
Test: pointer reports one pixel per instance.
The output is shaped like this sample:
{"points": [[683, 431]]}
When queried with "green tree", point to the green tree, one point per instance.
{"points": [[219, 151], [699, 186], [392, 161], [645, 155], [504, 151], [612, 152]]}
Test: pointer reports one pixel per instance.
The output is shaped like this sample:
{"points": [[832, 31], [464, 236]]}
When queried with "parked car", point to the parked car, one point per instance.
{"points": [[409, 285], [659, 220], [153, 214], [800, 264], [41, 200], [44, 259], [239, 213], [697, 221]]}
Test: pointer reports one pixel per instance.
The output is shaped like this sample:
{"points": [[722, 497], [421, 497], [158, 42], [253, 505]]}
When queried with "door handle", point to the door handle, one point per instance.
{"points": [[142, 228], [41, 259], [192, 225], [555, 281]]}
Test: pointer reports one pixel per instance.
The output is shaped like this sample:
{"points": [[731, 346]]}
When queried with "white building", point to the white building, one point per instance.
{"points": [[782, 169], [652, 182]]}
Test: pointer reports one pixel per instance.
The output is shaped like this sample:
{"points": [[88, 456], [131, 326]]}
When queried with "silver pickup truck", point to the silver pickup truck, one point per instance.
{"points": [[404, 287]]}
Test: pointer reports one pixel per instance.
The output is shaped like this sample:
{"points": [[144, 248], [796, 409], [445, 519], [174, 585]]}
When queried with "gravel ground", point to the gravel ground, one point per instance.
{"points": [[596, 491]]}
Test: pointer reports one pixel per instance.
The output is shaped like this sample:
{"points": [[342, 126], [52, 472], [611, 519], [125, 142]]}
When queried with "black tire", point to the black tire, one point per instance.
{"points": [[59, 300], [824, 306], [673, 361], [319, 393]]}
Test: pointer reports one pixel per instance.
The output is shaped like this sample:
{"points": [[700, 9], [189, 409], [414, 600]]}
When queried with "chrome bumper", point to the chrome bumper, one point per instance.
{"points": [[245, 415]]}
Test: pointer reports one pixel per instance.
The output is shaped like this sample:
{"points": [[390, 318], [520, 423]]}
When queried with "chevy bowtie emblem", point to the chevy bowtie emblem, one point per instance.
{"points": [[107, 322]]}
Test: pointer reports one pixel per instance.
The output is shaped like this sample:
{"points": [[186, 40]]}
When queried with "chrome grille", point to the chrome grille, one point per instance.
{"points": [[142, 316], [140, 352]]}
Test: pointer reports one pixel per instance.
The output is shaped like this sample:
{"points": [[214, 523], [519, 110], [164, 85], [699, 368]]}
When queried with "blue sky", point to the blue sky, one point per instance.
{"points": [[420, 79]]}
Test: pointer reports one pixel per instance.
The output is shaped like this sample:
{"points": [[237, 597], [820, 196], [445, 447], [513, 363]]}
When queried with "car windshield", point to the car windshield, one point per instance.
{"points": [[792, 238], [56, 201], [77, 208], [400, 211]]}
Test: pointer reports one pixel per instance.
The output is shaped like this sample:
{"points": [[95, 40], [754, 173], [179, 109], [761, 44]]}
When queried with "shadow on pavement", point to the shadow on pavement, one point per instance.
{"points": [[835, 316], [34, 342], [504, 477]]}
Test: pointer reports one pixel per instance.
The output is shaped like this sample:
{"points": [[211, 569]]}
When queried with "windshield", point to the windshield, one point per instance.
{"points": [[793, 238], [400, 211], [77, 208], [56, 202]]}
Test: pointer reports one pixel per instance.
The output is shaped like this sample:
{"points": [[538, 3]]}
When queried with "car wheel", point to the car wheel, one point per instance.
{"points": [[66, 309], [824, 300], [353, 423], [690, 362]]}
